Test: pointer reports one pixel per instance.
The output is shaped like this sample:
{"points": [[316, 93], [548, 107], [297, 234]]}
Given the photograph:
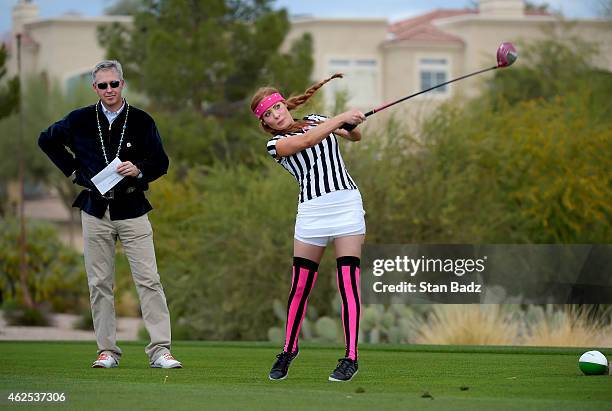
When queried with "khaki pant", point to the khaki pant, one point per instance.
{"points": [[136, 236]]}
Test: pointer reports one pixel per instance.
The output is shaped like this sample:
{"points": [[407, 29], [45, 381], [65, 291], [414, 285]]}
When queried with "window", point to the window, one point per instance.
{"points": [[360, 82], [434, 71]]}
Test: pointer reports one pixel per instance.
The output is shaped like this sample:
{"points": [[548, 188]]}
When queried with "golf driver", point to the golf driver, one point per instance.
{"points": [[506, 55]]}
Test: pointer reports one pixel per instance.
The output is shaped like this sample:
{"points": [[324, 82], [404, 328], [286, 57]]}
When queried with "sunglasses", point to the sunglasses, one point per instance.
{"points": [[113, 84]]}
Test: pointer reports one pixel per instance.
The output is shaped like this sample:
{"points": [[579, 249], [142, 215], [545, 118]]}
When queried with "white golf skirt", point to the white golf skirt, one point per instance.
{"points": [[332, 215]]}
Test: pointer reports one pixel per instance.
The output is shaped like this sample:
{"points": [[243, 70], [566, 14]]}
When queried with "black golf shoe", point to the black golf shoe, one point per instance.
{"points": [[345, 370], [280, 369]]}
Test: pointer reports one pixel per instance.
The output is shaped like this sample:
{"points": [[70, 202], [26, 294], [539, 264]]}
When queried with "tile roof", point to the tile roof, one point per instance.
{"points": [[421, 28]]}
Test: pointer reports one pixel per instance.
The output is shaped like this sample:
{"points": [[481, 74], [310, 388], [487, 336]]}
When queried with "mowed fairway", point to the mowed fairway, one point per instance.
{"points": [[233, 376]]}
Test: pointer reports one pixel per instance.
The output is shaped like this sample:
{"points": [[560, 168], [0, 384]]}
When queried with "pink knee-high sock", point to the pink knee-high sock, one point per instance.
{"points": [[304, 278], [348, 286]]}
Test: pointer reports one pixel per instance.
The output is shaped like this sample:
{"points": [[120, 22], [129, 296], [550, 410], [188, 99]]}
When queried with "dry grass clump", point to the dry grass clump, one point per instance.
{"points": [[569, 327], [492, 324], [467, 325]]}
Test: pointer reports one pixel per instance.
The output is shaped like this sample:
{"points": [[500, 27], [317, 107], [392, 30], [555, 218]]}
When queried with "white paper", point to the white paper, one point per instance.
{"points": [[108, 177]]}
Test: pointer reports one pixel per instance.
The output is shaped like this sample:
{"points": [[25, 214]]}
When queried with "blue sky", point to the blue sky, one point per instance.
{"points": [[390, 9]]}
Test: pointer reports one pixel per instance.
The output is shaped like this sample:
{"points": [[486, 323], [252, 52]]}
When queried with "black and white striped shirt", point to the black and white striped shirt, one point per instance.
{"points": [[319, 169]]}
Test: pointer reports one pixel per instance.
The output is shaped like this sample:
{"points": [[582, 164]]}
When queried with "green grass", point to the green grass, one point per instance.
{"points": [[233, 376]]}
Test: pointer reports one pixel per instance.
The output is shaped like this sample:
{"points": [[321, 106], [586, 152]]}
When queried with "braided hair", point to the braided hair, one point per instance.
{"points": [[291, 102]]}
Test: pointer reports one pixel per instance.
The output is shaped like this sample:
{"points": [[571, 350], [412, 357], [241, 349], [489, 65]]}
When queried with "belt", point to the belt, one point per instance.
{"points": [[114, 193]]}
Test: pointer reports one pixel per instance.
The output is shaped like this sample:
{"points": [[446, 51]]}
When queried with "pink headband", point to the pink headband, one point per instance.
{"points": [[266, 103]]}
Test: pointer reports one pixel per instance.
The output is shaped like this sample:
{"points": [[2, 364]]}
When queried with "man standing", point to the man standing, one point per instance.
{"points": [[95, 136]]}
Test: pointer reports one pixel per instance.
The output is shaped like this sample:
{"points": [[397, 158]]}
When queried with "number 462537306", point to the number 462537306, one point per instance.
{"points": [[36, 397]]}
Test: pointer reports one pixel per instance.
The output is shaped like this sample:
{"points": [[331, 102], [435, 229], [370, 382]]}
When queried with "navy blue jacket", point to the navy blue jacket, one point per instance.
{"points": [[78, 132]]}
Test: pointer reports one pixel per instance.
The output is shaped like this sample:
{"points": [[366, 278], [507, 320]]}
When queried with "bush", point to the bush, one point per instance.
{"points": [[233, 250], [536, 172], [193, 139], [17, 314], [55, 272]]}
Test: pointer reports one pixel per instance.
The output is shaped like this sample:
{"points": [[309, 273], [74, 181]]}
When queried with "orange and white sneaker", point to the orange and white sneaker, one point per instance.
{"points": [[166, 361], [105, 361]]}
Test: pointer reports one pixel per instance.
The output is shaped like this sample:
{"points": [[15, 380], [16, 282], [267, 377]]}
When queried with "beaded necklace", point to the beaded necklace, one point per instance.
{"points": [[127, 111]]}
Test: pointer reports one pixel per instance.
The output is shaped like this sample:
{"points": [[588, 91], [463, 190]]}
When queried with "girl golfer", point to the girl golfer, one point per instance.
{"points": [[329, 209]]}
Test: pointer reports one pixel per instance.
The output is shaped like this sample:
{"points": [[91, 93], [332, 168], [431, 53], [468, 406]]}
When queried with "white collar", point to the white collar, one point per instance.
{"points": [[107, 112]]}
